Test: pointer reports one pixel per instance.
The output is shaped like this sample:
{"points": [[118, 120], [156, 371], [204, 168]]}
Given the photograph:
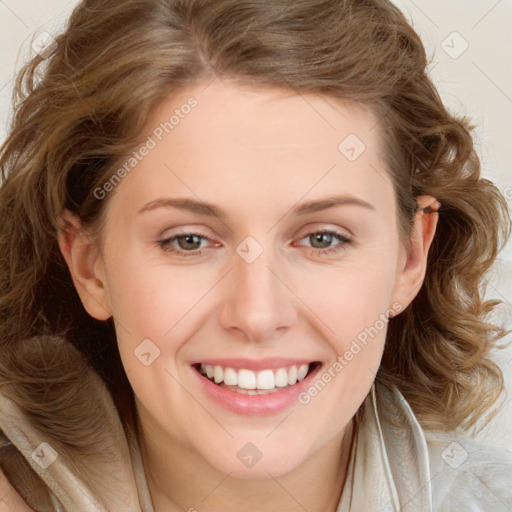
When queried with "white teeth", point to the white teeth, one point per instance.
{"points": [[218, 374], [265, 380], [303, 370], [292, 375], [281, 378], [255, 381], [246, 379], [230, 377]]}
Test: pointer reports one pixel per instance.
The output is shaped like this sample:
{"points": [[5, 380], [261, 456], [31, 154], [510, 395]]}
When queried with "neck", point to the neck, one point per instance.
{"points": [[179, 479]]}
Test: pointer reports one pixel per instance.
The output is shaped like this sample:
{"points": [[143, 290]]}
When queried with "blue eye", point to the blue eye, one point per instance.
{"points": [[190, 243]]}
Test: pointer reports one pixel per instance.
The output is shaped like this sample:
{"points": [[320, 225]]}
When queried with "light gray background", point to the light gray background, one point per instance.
{"points": [[475, 81]]}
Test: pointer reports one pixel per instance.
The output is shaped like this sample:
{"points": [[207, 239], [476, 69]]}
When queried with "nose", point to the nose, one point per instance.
{"points": [[259, 305]]}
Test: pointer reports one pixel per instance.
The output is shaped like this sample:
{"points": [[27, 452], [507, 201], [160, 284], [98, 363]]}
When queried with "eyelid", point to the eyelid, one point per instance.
{"points": [[322, 227], [181, 230]]}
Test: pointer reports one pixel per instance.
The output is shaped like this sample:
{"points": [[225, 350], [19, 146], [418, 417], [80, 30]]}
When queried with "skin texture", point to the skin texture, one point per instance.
{"points": [[256, 154]]}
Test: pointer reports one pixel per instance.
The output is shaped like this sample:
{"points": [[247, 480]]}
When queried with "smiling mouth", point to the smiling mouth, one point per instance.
{"points": [[248, 382]]}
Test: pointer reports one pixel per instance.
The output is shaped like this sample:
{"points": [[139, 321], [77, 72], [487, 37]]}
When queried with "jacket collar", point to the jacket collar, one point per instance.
{"points": [[389, 464]]}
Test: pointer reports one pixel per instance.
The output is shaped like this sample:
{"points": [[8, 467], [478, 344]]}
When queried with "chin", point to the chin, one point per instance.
{"points": [[249, 462]]}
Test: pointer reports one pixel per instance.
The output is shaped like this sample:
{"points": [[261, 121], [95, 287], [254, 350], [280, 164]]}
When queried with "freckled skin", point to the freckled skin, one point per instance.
{"points": [[255, 154]]}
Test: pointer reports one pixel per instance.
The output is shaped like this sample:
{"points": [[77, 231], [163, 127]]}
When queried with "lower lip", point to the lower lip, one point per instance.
{"points": [[256, 405]]}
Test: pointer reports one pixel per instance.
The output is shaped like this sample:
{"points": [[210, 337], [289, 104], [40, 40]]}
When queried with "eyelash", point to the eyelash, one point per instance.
{"points": [[166, 246]]}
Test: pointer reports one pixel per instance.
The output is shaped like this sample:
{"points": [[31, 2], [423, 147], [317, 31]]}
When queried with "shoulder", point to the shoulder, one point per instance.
{"points": [[10, 500], [460, 471], [466, 473]]}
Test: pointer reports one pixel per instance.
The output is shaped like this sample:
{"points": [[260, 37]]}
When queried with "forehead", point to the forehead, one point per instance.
{"points": [[245, 118], [233, 141]]}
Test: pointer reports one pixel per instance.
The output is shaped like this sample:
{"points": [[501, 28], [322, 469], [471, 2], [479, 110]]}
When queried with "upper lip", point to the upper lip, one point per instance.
{"points": [[255, 365]]}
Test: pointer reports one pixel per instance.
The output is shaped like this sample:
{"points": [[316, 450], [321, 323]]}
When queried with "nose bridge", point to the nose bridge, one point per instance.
{"points": [[259, 302], [256, 280]]}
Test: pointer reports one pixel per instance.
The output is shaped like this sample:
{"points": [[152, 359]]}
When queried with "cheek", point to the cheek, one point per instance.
{"points": [[149, 299], [135, 302], [351, 298]]}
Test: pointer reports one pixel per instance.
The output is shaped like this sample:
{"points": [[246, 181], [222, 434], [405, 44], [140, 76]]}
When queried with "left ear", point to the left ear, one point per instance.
{"points": [[413, 265]]}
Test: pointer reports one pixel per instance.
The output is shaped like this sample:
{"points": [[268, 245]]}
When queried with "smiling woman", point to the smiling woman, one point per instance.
{"points": [[240, 265]]}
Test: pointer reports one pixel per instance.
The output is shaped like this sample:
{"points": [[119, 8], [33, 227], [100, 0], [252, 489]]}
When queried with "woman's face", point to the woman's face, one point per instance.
{"points": [[249, 282]]}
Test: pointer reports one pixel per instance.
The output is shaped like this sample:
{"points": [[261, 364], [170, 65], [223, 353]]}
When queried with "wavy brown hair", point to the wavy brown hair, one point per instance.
{"points": [[80, 111]]}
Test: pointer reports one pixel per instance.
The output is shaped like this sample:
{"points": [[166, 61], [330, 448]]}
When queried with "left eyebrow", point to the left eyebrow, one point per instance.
{"points": [[211, 210], [330, 202]]}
